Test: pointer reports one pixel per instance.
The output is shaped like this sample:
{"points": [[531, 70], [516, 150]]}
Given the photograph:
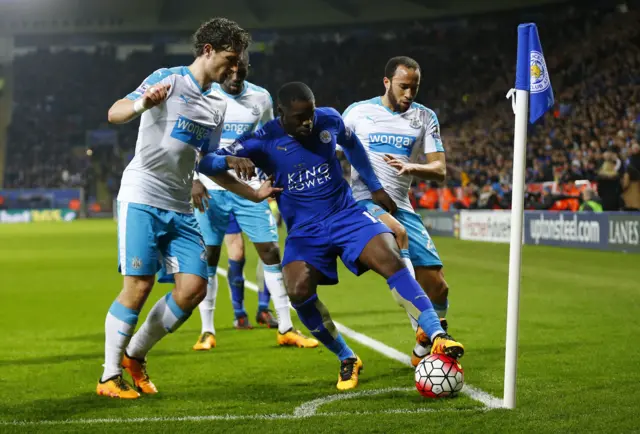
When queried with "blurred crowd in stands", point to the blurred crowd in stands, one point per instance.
{"points": [[591, 136]]}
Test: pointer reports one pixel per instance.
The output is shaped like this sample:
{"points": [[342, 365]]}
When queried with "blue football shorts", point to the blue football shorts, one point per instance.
{"points": [[344, 234]]}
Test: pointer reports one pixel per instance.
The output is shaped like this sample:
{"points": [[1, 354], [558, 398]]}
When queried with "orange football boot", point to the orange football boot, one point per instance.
{"points": [[206, 341], [116, 387], [138, 371], [349, 371], [424, 343], [295, 338]]}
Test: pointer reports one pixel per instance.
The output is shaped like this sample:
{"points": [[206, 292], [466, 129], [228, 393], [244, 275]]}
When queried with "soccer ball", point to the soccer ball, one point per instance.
{"points": [[439, 376]]}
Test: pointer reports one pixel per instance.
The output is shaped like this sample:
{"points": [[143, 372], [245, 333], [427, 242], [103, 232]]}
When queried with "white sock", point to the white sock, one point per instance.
{"points": [[275, 283], [260, 275], [118, 329], [164, 317], [418, 349], [208, 305], [404, 253]]}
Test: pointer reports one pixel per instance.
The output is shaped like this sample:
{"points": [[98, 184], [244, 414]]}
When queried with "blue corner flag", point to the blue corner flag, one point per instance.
{"points": [[531, 72]]}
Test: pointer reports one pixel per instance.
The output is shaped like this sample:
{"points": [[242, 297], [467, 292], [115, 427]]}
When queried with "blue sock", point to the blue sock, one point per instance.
{"points": [[410, 291], [264, 297], [404, 253], [236, 283], [315, 316]]}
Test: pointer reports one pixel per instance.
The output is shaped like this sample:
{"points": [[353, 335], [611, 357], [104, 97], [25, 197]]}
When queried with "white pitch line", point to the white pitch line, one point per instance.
{"points": [[232, 417], [405, 411], [310, 408], [151, 419], [474, 393], [305, 410]]}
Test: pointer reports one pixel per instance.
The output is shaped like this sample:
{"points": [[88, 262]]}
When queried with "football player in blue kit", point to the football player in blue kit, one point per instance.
{"points": [[248, 108], [298, 150]]}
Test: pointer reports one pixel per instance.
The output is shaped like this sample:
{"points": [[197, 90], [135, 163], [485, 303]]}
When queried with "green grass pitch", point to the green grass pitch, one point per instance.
{"points": [[578, 365]]}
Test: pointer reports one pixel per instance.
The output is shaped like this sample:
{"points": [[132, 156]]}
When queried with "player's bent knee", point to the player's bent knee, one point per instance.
{"points": [[382, 255], [139, 284], [438, 291], [236, 255], [443, 289], [299, 292], [200, 294], [394, 265], [269, 253], [433, 282], [190, 290], [235, 247]]}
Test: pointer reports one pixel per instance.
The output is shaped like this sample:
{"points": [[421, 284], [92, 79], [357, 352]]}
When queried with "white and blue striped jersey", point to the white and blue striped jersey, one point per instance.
{"points": [[406, 136], [246, 113], [170, 137]]}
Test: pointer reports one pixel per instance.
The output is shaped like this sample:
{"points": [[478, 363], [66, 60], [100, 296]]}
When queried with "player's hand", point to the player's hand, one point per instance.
{"points": [[244, 168], [199, 195], [403, 168], [155, 95], [267, 190], [384, 200]]}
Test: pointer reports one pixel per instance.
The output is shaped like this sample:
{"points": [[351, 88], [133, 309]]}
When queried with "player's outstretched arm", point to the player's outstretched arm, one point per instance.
{"points": [[240, 188], [435, 168], [213, 164], [125, 110], [431, 145]]}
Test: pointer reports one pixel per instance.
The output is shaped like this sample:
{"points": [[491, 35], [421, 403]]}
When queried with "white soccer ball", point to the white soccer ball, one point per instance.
{"points": [[439, 376]]}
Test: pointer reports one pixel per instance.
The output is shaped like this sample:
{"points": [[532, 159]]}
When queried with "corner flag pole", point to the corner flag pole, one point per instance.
{"points": [[515, 247], [531, 77]]}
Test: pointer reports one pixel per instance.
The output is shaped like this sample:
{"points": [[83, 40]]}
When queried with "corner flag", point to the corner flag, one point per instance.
{"points": [[532, 83], [531, 71]]}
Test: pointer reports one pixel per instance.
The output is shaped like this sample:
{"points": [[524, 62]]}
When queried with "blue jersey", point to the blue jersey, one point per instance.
{"points": [[307, 170]]}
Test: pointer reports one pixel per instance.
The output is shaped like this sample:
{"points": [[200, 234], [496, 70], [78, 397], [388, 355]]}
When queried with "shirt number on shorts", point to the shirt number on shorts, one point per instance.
{"points": [[370, 217]]}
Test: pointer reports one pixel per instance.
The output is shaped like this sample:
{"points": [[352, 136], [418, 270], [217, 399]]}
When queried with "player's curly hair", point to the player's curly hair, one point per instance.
{"points": [[222, 34], [394, 62]]}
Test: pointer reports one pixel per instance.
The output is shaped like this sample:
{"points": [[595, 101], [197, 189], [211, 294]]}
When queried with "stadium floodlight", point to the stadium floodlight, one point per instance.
{"points": [[533, 97]]}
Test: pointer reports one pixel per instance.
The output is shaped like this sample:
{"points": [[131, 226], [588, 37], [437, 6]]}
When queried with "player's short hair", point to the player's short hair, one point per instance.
{"points": [[222, 34], [294, 91], [394, 62]]}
